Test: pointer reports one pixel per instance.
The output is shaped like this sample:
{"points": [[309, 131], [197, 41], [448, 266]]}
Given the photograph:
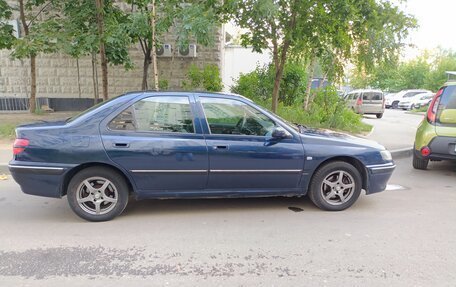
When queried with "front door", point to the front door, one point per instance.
{"points": [[160, 144], [243, 154]]}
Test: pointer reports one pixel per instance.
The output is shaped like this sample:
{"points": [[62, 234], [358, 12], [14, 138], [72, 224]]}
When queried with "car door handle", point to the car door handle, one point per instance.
{"points": [[124, 145], [221, 147]]}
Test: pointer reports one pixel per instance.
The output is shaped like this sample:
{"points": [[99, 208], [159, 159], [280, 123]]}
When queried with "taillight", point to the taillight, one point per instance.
{"points": [[359, 102], [425, 151], [432, 110], [20, 145]]}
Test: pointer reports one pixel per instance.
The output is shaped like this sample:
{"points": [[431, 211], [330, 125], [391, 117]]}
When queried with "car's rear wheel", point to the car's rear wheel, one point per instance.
{"points": [[419, 163], [379, 116], [97, 194], [412, 107], [335, 186]]}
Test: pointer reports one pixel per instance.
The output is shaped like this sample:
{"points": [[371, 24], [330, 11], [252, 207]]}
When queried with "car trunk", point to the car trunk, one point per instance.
{"points": [[446, 113]]}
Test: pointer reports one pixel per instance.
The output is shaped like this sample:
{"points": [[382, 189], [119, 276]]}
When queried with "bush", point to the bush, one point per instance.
{"points": [[206, 79], [258, 84], [326, 110]]}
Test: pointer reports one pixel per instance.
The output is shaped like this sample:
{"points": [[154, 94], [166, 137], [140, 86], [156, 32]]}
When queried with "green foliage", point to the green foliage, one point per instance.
{"points": [[426, 71], [78, 34], [327, 110], [7, 130], [206, 79], [163, 85], [6, 30], [258, 84]]}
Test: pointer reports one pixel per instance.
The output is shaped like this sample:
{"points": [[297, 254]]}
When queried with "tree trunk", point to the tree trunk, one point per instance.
{"points": [[32, 101], [146, 65], [275, 91], [309, 82], [79, 77], [154, 50], [95, 78], [104, 62]]}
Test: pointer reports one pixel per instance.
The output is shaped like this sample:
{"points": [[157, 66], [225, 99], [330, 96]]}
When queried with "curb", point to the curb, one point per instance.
{"points": [[401, 153]]}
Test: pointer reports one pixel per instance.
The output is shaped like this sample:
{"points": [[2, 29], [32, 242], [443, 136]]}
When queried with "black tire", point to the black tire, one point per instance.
{"points": [[395, 105], [419, 163], [112, 198], [379, 116], [326, 173], [412, 107]]}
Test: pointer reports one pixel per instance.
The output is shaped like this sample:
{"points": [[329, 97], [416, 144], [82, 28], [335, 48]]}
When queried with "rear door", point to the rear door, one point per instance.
{"points": [[372, 102], [158, 141]]}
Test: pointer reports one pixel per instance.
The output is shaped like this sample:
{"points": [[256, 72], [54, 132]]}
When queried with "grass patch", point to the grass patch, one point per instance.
{"points": [[7, 131], [420, 110]]}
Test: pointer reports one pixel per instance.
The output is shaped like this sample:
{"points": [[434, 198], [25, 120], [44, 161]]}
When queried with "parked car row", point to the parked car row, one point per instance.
{"points": [[408, 99]]}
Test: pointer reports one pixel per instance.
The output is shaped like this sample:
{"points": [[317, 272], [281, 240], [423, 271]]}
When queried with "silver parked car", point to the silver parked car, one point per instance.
{"points": [[416, 101], [366, 102]]}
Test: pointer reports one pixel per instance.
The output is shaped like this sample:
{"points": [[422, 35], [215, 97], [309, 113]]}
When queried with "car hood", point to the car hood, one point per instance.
{"points": [[337, 138]]}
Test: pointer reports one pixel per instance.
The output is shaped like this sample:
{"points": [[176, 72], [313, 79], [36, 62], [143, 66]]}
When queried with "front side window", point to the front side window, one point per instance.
{"points": [[156, 114], [226, 116]]}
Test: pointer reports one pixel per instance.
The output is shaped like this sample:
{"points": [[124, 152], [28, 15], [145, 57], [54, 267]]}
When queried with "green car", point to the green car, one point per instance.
{"points": [[436, 135]]}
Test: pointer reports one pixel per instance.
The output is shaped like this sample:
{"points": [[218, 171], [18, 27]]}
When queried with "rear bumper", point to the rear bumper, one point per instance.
{"points": [[442, 148], [39, 179], [378, 176]]}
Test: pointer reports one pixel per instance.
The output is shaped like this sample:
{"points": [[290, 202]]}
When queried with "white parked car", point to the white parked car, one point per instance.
{"points": [[404, 95], [389, 98], [416, 101]]}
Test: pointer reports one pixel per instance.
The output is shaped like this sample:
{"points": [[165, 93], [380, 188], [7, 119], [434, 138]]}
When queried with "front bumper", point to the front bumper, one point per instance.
{"points": [[407, 106], [378, 176], [39, 179]]}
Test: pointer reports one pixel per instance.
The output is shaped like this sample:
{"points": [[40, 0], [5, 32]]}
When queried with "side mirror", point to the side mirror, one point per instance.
{"points": [[280, 133]]}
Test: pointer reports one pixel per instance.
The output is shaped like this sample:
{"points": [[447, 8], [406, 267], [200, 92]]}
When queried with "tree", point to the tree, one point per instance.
{"points": [[36, 38], [6, 30], [366, 32], [149, 20], [78, 34]]}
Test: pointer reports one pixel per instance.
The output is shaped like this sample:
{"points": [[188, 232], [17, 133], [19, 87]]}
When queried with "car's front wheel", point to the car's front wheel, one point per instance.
{"points": [[335, 186], [97, 194]]}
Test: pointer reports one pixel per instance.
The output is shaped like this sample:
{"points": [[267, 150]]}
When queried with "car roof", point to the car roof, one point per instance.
{"points": [[365, 90], [184, 93]]}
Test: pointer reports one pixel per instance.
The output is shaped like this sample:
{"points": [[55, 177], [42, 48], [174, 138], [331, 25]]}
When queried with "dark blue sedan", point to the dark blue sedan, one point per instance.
{"points": [[188, 145]]}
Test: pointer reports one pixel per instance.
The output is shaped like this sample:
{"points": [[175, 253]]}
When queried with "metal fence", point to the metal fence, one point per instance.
{"points": [[14, 104]]}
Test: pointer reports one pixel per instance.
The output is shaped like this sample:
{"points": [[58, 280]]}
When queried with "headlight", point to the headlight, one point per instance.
{"points": [[386, 155]]}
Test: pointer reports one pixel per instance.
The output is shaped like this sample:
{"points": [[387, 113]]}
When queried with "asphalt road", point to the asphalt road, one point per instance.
{"points": [[401, 237], [396, 130]]}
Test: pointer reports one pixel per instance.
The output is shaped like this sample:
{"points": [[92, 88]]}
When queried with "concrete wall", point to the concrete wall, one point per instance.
{"points": [[239, 60], [57, 73]]}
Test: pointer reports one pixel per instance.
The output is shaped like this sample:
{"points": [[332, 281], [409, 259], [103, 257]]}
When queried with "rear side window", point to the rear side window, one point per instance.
{"points": [[156, 114], [372, 96]]}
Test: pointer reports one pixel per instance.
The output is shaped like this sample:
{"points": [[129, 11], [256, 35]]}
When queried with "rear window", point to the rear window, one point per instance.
{"points": [[372, 96], [447, 102], [448, 99]]}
